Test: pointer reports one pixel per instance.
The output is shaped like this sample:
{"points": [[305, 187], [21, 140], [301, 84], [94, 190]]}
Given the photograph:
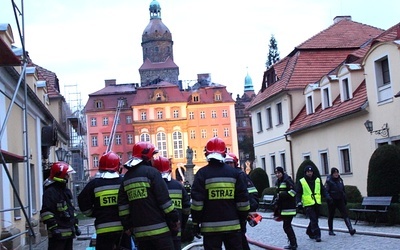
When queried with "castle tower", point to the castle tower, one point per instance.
{"points": [[157, 48]]}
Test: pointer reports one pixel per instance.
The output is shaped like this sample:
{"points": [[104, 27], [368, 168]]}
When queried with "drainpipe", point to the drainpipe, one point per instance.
{"points": [[291, 157]]}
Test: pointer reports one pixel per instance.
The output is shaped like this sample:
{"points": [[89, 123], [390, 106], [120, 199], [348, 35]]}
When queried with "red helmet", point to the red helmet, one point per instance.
{"points": [[142, 151], [59, 171], [231, 157], [109, 162], [163, 165], [215, 148]]}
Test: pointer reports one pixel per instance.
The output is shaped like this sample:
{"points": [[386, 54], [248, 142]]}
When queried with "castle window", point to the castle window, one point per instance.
{"points": [[98, 104]]}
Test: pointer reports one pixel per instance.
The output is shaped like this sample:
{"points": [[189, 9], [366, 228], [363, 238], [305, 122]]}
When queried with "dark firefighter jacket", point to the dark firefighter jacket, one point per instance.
{"points": [[220, 200], [144, 203], [98, 199], [57, 210], [286, 196]]}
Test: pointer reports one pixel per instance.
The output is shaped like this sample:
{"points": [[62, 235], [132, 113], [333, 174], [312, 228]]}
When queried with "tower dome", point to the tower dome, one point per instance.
{"points": [[248, 83]]}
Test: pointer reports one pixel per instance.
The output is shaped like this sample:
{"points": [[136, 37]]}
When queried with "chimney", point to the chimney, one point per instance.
{"points": [[340, 18], [398, 32], [110, 82]]}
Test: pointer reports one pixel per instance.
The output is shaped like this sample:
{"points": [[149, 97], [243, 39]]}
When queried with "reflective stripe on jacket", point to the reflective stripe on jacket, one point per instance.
{"points": [[220, 200]]}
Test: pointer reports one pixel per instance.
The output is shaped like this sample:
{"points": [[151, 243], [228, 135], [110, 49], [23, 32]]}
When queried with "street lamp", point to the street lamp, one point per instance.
{"points": [[61, 154], [384, 131]]}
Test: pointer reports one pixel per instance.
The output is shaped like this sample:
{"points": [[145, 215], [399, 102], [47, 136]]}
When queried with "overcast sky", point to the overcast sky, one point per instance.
{"points": [[87, 41]]}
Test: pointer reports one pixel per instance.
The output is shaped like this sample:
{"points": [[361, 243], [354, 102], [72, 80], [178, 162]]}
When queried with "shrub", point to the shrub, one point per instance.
{"points": [[300, 170], [260, 179], [384, 171], [353, 195]]}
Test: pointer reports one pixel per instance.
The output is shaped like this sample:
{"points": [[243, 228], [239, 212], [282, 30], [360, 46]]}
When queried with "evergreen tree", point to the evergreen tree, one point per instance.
{"points": [[273, 53]]}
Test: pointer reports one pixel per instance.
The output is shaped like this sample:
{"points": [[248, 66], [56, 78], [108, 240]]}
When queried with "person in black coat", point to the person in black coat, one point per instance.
{"points": [[286, 204], [335, 187]]}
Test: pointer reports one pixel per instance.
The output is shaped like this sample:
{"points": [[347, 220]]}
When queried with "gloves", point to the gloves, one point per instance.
{"points": [[196, 230], [174, 227], [299, 205], [55, 233], [77, 231]]}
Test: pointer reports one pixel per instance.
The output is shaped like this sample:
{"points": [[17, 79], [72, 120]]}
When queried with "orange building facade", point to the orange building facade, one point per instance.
{"points": [[170, 118]]}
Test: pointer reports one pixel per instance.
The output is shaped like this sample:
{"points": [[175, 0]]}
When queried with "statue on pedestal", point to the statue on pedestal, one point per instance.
{"points": [[189, 156]]}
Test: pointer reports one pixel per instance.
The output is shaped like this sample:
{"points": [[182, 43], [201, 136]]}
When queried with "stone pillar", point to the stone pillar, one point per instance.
{"points": [[189, 175]]}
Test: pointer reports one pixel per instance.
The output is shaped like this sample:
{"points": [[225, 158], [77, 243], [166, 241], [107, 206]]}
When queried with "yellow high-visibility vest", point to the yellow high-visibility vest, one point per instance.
{"points": [[307, 198]]}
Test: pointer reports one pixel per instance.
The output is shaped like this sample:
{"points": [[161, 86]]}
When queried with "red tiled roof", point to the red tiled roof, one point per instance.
{"points": [[53, 88], [317, 56], [116, 89], [338, 110], [148, 65], [343, 34], [171, 91], [207, 95]]}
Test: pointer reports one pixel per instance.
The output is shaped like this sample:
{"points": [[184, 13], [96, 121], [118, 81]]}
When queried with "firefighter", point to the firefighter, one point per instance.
{"points": [[144, 203], [98, 199], [309, 195], [285, 203], [177, 193], [220, 201], [232, 160], [58, 213]]}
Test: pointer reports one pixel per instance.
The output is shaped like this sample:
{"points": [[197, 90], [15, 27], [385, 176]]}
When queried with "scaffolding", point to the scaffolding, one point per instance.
{"points": [[8, 157], [40, 126]]}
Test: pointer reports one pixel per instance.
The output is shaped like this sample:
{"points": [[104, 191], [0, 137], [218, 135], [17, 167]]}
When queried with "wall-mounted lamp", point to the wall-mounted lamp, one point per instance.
{"points": [[384, 131], [61, 154]]}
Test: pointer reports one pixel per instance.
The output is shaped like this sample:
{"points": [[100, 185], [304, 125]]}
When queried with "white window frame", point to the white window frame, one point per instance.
{"points": [[279, 113], [268, 116], [162, 144], [384, 90], [345, 167], [105, 121], [326, 97], [93, 122], [143, 115], [129, 139], [145, 137], [224, 113], [259, 122], [310, 104], [324, 162], [346, 92]]}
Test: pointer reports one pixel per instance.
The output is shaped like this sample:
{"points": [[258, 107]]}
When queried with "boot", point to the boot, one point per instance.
{"points": [[292, 244], [330, 226], [352, 231]]}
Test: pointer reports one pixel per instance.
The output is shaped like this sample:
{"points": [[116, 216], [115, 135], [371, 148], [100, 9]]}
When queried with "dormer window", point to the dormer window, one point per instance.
{"points": [[98, 104], [158, 97], [218, 97], [309, 105], [326, 98], [196, 98], [345, 88]]}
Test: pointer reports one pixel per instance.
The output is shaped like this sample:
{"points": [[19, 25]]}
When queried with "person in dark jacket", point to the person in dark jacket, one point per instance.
{"points": [[286, 204], [232, 160], [177, 193], [58, 213], [220, 200], [144, 203], [309, 195], [98, 199], [335, 187]]}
